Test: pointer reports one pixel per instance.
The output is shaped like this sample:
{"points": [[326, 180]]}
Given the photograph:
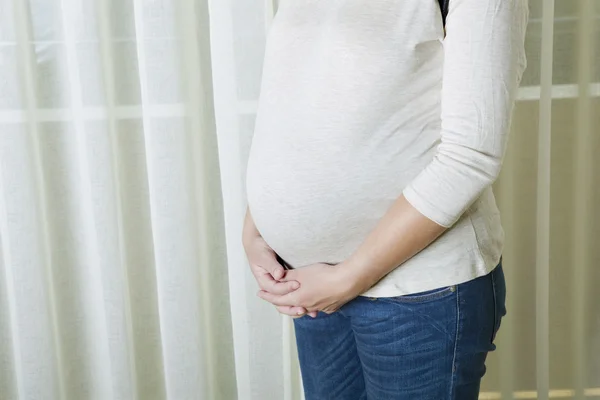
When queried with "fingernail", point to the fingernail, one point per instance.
{"points": [[299, 313], [295, 285]]}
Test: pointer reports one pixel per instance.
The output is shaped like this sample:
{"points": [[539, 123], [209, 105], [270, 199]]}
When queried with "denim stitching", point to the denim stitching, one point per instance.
{"points": [[457, 337]]}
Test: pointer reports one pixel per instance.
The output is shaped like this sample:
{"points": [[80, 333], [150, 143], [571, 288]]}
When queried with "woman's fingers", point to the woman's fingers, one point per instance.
{"points": [[277, 300], [282, 304], [295, 312], [267, 282], [292, 311], [270, 264]]}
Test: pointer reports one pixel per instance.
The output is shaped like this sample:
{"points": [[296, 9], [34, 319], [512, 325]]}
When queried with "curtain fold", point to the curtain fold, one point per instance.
{"points": [[114, 274]]}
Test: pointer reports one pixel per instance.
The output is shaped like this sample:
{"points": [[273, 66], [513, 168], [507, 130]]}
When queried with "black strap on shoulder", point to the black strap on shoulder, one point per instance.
{"points": [[444, 7]]}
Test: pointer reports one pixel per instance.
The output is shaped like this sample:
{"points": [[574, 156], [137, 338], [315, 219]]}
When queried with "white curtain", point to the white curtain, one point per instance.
{"points": [[113, 274], [125, 127]]}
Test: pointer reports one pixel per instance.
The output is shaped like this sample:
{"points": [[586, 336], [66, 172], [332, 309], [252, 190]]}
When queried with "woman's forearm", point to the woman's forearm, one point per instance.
{"points": [[249, 231], [400, 234]]}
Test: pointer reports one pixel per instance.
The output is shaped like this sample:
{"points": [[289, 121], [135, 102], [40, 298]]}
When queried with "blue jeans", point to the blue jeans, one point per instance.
{"points": [[430, 345]]}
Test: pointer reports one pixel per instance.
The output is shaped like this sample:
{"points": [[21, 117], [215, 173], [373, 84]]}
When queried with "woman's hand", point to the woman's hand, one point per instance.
{"points": [[323, 287], [267, 271], [265, 267]]}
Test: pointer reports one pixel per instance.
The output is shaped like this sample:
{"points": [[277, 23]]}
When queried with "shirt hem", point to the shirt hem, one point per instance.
{"points": [[387, 287]]}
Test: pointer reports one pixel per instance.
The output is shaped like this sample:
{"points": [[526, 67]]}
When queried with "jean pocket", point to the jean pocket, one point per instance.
{"points": [[423, 297]]}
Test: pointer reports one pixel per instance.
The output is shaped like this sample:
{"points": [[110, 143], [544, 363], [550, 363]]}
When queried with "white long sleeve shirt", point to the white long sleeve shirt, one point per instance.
{"points": [[365, 100]]}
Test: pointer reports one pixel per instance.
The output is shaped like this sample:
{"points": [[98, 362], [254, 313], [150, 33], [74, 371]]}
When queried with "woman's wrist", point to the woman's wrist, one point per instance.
{"points": [[356, 277]]}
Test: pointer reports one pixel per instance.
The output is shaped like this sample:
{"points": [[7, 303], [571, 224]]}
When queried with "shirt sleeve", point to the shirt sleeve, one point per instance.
{"points": [[484, 60]]}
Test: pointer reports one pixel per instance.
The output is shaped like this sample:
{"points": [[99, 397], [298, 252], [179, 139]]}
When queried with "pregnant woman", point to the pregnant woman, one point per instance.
{"points": [[381, 127]]}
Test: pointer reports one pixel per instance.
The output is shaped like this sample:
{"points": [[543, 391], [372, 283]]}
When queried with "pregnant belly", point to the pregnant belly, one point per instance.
{"points": [[317, 211]]}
